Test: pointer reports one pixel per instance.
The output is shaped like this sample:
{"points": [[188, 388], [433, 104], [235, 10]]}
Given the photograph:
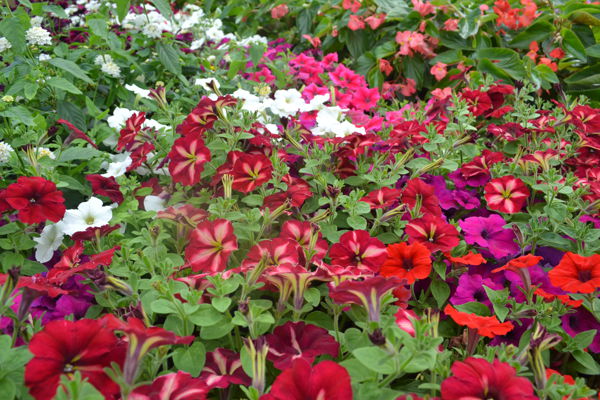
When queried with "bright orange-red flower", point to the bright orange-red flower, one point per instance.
{"points": [[485, 326], [520, 262], [471, 258], [409, 262], [577, 274]]}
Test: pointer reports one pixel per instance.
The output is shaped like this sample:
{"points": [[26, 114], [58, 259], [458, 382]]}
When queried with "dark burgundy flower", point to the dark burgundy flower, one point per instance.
{"points": [[106, 187], [298, 340], [358, 249], [223, 367], [174, 386], [36, 199]]}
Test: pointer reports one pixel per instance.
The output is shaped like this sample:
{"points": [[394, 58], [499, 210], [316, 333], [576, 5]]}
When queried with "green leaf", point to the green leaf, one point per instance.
{"points": [[72, 113], [169, 57], [572, 44], [18, 114], [256, 52], [98, 27], [72, 68], [63, 84], [11, 29], [164, 8], [468, 26], [376, 359], [190, 358], [56, 10], [122, 8], [393, 8], [221, 304], [206, 315], [587, 364], [584, 339], [535, 32], [163, 306], [507, 60], [216, 331], [8, 389], [78, 153], [474, 308], [357, 222], [30, 90], [440, 291]]}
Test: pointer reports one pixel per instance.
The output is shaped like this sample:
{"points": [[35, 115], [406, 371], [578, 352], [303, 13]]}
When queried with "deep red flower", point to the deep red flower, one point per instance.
{"points": [[131, 134], [485, 326], [419, 192], [577, 274], [223, 367], [106, 187], [274, 252], [76, 133], [358, 249], [70, 264], [382, 198], [432, 232], [298, 190], [188, 156], [479, 102], [204, 115], [211, 243], [173, 386], [408, 262], [290, 278], [64, 347], [251, 171], [36, 199], [303, 232], [477, 171], [298, 340], [476, 378], [326, 380], [506, 194]]}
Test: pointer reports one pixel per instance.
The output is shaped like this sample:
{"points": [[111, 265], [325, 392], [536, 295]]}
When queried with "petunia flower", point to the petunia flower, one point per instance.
{"points": [[506, 194], [104, 186], [299, 340], [48, 242], [210, 245], [408, 262], [580, 321], [64, 347], [382, 198], [222, 368], [485, 326], [432, 232], [490, 234], [471, 288], [36, 199], [308, 237], [251, 171], [91, 213], [420, 193], [477, 378], [174, 386], [358, 249], [188, 156], [576, 273], [326, 380]]}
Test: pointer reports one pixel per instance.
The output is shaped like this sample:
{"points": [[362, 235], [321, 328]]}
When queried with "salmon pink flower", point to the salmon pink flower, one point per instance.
{"points": [[432, 232], [577, 274], [188, 156], [409, 88], [64, 347], [352, 5], [423, 8], [439, 71], [485, 326], [326, 380], [36, 199], [173, 386], [211, 243], [356, 23], [506, 194], [358, 249], [298, 340], [476, 378], [450, 25], [408, 262], [385, 67], [279, 11], [375, 20]]}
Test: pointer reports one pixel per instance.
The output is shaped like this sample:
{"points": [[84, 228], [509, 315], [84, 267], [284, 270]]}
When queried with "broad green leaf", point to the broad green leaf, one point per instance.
{"points": [[122, 8], [572, 44], [18, 114], [169, 57], [63, 84], [72, 68], [13, 31], [376, 359], [538, 31], [190, 358]]}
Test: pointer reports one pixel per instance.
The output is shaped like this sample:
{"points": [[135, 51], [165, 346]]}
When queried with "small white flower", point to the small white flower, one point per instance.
{"points": [[154, 203], [4, 44], [118, 166], [48, 242], [36, 21], [45, 152], [38, 36], [152, 31], [111, 69], [44, 57], [5, 152], [204, 83], [89, 214], [103, 59], [144, 93]]}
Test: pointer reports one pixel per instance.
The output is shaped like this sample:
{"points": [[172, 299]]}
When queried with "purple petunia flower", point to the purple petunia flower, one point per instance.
{"points": [[580, 321], [488, 232], [458, 199], [470, 288]]}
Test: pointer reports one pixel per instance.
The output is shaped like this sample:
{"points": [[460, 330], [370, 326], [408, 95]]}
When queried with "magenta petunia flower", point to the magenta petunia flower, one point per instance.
{"points": [[470, 288], [490, 234]]}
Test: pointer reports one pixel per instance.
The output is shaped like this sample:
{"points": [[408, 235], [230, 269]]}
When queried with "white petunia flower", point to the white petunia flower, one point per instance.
{"points": [[287, 102], [4, 44], [118, 166], [154, 203], [5, 152], [144, 93], [111, 69], [48, 242], [38, 36], [89, 214]]}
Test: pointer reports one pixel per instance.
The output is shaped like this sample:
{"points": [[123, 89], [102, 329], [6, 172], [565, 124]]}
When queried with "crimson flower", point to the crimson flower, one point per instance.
{"points": [[432, 232], [419, 192], [188, 156], [251, 171], [130, 135], [76, 133], [303, 232], [358, 249], [222, 368], [297, 192], [36, 199], [326, 380], [106, 187], [276, 251], [477, 171], [174, 386], [204, 115], [485, 326], [506, 194], [366, 293], [65, 347], [476, 378], [211, 243], [382, 198], [298, 340], [577, 274], [409, 262]]}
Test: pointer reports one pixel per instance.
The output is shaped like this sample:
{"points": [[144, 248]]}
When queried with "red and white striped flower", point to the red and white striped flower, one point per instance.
{"points": [[360, 250], [188, 156], [250, 171], [506, 194], [211, 243]]}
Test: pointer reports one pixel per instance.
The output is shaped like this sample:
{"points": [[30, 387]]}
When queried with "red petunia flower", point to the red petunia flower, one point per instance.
{"points": [[432, 232], [36, 199], [408, 262], [174, 386], [223, 367], [507, 194], [211, 243], [577, 274], [106, 187], [479, 102], [188, 156], [64, 347], [477, 171], [204, 115], [485, 326], [274, 252], [131, 134], [515, 264], [326, 380], [381, 198], [303, 232], [419, 192], [358, 249], [298, 340], [476, 378], [251, 171], [76, 133]]}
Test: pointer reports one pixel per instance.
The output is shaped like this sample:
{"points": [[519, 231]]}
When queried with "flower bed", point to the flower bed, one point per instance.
{"points": [[193, 214]]}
